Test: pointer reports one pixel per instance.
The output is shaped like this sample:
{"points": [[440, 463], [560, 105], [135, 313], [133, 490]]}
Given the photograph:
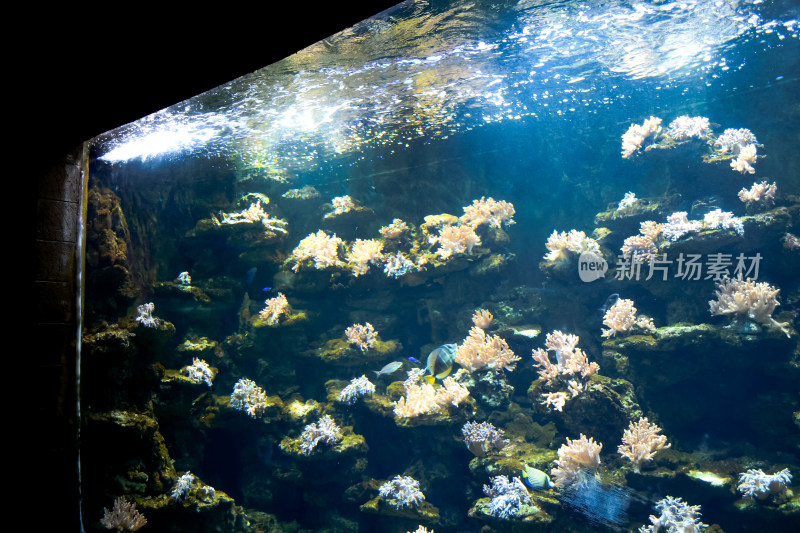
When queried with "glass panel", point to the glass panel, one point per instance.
{"points": [[464, 265]]}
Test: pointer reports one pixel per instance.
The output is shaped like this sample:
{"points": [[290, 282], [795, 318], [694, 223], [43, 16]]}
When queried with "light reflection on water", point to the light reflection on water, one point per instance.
{"points": [[412, 73]]}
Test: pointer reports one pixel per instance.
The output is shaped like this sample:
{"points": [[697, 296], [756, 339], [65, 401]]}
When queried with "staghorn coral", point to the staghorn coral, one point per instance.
{"points": [[621, 318], [676, 517], [481, 438], [362, 253], [575, 459], [318, 247], [274, 308], [402, 491], [423, 398], [455, 240], [636, 134], [357, 388], [573, 241], [755, 483], [199, 372], [756, 301], [480, 350], [488, 211], [123, 517], [323, 431], [508, 496], [248, 397], [762, 194], [362, 335], [641, 441]]}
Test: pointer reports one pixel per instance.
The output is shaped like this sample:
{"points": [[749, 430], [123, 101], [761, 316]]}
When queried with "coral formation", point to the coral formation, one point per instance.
{"points": [[488, 211], [753, 300], [200, 372], [357, 388], [323, 431], [249, 397], [274, 308], [756, 484], [483, 438], [621, 318], [318, 247], [362, 253], [637, 134], [123, 516], [641, 441], [572, 241], [145, 315], [362, 335], [402, 491], [761, 194], [423, 398], [508, 497], [577, 459], [480, 350], [676, 516]]}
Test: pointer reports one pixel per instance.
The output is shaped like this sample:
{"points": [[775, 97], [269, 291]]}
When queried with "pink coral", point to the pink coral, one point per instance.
{"points": [[318, 247], [456, 240], [488, 211], [641, 441], [480, 350], [574, 458], [275, 307], [362, 335]]}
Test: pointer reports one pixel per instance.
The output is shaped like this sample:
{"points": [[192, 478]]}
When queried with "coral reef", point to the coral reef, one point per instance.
{"points": [[362, 335], [319, 248], [357, 388], [753, 300], [323, 431], [249, 397], [480, 350], [123, 516], [200, 372], [637, 134], [577, 459], [756, 484], [508, 497], [483, 438], [423, 398], [274, 308]]}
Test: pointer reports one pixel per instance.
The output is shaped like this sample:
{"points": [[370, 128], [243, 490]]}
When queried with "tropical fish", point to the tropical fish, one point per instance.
{"points": [[413, 359], [266, 289], [535, 478], [610, 301], [440, 362], [394, 366]]}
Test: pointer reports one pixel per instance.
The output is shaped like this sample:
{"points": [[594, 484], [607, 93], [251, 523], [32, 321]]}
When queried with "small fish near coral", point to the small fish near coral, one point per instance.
{"points": [[440, 362]]}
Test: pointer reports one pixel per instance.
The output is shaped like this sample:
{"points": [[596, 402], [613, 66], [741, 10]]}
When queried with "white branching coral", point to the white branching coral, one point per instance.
{"points": [[574, 241], [318, 247], [483, 438], [719, 219], [754, 300], [676, 517], [678, 225], [362, 335], [621, 318], [249, 397], [733, 140], [394, 230], [641, 441], [362, 253], [643, 248], [480, 350], [397, 265], [576, 458], [762, 194], [423, 398], [755, 483], [570, 361], [145, 315], [357, 388], [274, 309], [182, 487], [456, 240], [341, 205], [488, 211], [508, 497], [745, 160], [123, 516], [482, 318], [199, 372], [255, 214], [685, 127], [401, 491], [323, 431], [628, 200], [633, 139]]}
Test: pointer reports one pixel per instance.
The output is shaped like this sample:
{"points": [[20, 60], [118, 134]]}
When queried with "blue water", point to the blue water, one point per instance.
{"points": [[420, 111]]}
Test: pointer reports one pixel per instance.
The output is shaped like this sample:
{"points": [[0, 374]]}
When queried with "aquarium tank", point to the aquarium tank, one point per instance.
{"points": [[466, 266]]}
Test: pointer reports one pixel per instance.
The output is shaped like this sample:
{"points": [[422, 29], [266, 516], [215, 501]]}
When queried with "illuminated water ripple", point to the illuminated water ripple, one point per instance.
{"points": [[413, 74]]}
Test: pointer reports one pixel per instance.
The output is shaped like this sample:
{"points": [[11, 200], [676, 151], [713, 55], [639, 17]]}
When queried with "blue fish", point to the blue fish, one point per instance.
{"points": [[266, 289], [413, 359]]}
